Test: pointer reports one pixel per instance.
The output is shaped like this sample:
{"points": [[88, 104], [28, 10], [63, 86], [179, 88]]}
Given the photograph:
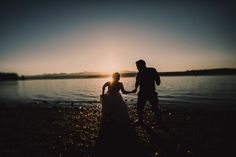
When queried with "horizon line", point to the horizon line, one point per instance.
{"points": [[120, 71]]}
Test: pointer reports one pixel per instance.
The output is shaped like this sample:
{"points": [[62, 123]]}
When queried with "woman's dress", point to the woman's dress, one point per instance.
{"points": [[114, 107]]}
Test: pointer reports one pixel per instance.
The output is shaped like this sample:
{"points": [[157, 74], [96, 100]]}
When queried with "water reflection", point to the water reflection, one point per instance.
{"points": [[214, 90]]}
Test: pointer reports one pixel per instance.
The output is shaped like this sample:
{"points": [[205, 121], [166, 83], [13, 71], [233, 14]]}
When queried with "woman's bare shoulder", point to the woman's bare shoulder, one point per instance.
{"points": [[107, 83], [120, 84]]}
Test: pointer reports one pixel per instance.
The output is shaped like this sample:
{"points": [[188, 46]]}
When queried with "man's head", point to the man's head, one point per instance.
{"points": [[141, 65]]}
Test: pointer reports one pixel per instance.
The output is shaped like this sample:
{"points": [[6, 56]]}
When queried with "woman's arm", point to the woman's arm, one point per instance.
{"points": [[136, 84], [104, 87], [124, 91]]}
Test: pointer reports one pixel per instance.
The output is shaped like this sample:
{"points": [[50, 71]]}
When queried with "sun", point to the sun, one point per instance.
{"points": [[110, 65]]}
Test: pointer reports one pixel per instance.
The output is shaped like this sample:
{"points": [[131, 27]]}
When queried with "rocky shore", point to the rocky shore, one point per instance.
{"points": [[79, 131]]}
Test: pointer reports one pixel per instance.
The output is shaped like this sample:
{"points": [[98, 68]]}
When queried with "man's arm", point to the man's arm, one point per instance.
{"points": [[158, 80]]}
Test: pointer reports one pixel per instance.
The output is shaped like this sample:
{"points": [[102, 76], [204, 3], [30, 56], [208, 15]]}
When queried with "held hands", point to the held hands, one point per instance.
{"points": [[102, 96]]}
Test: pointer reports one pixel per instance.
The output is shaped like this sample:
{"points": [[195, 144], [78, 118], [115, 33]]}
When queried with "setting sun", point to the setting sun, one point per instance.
{"points": [[111, 66]]}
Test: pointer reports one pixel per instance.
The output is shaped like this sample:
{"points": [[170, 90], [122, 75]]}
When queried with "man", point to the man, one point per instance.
{"points": [[145, 80]]}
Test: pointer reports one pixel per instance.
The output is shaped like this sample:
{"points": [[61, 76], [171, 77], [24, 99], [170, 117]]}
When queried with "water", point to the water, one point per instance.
{"points": [[184, 91]]}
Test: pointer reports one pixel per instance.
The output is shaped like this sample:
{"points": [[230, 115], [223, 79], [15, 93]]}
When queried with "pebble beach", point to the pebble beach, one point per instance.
{"points": [[79, 131]]}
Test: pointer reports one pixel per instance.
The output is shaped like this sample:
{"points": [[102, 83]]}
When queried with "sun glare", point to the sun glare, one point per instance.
{"points": [[110, 69], [111, 65]]}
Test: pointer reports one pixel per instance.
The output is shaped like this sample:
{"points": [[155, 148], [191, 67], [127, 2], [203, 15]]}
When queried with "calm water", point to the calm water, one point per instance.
{"points": [[185, 91]]}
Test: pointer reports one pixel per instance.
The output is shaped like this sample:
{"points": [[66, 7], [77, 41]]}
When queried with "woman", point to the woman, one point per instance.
{"points": [[114, 108]]}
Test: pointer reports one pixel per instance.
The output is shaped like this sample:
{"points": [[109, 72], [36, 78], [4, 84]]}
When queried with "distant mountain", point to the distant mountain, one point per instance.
{"points": [[77, 75], [222, 71], [14, 76], [65, 75]]}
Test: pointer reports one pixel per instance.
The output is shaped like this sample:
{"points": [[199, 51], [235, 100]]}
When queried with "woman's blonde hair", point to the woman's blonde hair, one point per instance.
{"points": [[116, 76]]}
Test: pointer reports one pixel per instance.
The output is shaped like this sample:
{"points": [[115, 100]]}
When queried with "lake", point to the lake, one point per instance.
{"points": [[173, 91]]}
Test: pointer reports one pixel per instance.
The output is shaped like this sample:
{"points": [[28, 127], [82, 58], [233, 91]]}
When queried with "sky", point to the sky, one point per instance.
{"points": [[38, 37]]}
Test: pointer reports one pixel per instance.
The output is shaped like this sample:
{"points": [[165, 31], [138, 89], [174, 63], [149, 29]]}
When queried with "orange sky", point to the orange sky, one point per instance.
{"points": [[111, 38]]}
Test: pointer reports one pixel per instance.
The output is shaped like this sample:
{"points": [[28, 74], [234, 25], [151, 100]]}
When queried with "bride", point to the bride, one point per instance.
{"points": [[114, 109]]}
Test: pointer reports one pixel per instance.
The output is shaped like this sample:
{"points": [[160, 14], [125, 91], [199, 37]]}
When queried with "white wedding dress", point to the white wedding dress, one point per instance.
{"points": [[114, 107]]}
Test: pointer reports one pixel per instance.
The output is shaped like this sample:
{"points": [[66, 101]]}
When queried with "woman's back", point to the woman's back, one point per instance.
{"points": [[113, 104], [114, 87]]}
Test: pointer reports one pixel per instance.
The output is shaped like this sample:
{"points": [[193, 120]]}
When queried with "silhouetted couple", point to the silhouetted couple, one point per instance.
{"points": [[114, 107]]}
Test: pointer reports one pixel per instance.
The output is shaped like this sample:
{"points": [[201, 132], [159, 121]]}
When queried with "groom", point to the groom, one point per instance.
{"points": [[145, 80]]}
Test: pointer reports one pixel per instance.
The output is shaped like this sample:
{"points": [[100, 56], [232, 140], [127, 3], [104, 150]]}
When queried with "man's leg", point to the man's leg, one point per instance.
{"points": [[140, 106], [154, 101]]}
